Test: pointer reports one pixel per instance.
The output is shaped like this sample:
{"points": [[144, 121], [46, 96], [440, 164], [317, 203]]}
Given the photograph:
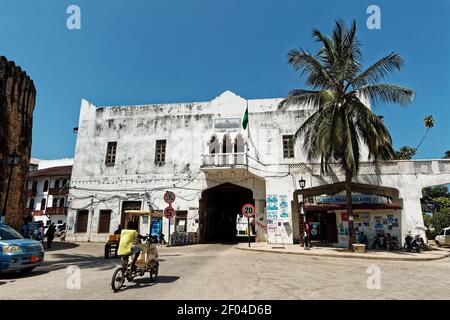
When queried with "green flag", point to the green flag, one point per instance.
{"points": [[245, 119]]}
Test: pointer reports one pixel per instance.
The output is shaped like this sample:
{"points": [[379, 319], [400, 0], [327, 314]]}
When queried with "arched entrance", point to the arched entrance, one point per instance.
{"points": [[218, 210]]}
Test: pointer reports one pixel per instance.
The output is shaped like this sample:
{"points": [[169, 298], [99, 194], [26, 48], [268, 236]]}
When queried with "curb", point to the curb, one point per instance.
{"points": [[333, 255]]}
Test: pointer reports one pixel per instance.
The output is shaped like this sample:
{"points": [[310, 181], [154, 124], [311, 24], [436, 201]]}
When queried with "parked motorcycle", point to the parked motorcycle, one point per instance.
{"points": [[413, 244], [379, 242], [392, 243]]}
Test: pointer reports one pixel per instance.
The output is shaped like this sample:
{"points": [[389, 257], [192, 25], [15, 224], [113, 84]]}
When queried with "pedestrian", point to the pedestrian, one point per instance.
{"points": [[40, 232], [50, 235], [25, 229]]}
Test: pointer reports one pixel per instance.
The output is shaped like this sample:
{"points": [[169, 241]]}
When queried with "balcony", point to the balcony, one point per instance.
{"points": [[58, 191], [224, 160], [31, 193], [56, 210]]}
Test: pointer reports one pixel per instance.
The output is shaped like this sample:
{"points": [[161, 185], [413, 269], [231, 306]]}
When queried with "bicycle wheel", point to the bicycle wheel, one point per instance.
{"points": [[118, 279], [154, 271]]}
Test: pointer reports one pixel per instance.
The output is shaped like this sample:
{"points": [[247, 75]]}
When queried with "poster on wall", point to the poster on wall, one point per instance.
{"points": [[272, 206], [283, 207]]}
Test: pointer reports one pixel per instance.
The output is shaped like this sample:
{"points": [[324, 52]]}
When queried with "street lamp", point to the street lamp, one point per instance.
{"points": [[302, 183], [12, 160]]}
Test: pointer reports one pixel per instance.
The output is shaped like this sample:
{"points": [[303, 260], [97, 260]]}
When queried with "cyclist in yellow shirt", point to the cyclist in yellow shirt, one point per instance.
{"points": [[126, 248]]}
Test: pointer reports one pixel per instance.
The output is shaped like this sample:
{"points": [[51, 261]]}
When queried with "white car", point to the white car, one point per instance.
{"points": [[443, 238]]}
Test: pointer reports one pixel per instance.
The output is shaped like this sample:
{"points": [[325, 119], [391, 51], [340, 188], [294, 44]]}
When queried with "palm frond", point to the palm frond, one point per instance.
{"points": [[316, 99], [387, 93], [377, 71], [307, 64]]}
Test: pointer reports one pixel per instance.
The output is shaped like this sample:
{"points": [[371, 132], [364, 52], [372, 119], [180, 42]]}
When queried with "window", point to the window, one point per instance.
{"points": [[160, 156], [34, 187], [64, 184], [45, 186], [213, 145], [288, 147], [54, 202], [60, 222], [441, 233], [447, 233], [104, 221], [227, 147], [111, 150], [61, 203], [57, 183], [31, 206], [82, 221], [43, 203], [239, 146], [181, 221]]}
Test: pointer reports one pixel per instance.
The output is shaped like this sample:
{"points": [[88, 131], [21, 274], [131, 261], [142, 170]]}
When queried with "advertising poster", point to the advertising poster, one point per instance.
{"points": [[272, 206], [283, 207]]}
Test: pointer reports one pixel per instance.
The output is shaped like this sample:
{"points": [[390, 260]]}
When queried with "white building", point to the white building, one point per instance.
{"points": [[48, 188], [127, 157]]}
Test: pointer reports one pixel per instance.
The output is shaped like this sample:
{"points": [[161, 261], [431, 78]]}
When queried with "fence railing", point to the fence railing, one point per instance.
{"points": [[426, 167]]}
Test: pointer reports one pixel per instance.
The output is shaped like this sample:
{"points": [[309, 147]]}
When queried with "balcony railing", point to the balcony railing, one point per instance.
{"points": [[31, 193], [58, 191], [224, 160], [56, 210]]}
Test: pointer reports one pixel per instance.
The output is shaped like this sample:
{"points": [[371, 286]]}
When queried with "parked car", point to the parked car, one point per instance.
{"points": [[18, 253], [443, 238]]}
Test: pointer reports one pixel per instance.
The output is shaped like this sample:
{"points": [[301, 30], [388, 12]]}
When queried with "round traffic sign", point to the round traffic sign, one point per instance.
{"points": [[169, 212], [169, 197], [248, 210]]}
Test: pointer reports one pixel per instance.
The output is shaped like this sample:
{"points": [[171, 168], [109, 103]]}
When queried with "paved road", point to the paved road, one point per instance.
{"points": [[216, 271]]}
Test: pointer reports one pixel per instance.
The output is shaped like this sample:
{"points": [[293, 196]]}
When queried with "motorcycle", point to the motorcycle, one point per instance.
{"points": [[413, 244], [392, 243], [379, 241]]}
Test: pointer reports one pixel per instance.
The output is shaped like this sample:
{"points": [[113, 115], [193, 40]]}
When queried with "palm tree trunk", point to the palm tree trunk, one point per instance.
{"points": [[348, 191], [420, 143]]}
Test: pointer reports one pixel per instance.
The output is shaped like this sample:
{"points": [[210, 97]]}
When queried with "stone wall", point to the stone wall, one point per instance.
{"points": [[17, 101]]}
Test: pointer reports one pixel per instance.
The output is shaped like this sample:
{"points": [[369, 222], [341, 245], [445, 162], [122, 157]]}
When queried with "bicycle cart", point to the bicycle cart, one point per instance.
{"points": [[147, 260]]}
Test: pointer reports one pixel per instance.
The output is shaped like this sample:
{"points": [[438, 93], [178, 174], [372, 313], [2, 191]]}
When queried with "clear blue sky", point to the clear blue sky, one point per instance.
{"points": [[156, 51]]}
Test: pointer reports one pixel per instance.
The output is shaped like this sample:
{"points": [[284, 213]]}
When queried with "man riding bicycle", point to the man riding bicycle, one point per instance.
{"points": [[126, 247]]}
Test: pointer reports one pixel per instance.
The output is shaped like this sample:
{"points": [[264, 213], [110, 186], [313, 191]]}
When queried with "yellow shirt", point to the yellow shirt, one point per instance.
{"points": [[126, 241]]}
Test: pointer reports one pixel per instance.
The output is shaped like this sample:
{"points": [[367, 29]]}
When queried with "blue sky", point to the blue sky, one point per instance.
{"points": [[156, 51]]}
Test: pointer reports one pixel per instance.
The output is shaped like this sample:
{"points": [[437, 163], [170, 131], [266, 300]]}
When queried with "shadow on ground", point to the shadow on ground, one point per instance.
{"points": [[144, 282], [56, 246]]}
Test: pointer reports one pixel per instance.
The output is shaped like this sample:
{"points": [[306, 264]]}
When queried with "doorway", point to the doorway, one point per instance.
{"points": [[129, 205], [322, 226], [218, 211]]}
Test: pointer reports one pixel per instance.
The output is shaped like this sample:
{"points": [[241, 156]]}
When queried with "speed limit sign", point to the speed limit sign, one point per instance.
{"points": [[169, 212], [248, 210], [169, 197]]}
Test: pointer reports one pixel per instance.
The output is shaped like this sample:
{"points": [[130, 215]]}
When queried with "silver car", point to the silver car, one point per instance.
{"points": [[443, 238]]}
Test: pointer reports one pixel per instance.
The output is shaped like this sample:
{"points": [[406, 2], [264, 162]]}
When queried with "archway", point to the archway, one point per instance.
{"points": [[219, 207]]}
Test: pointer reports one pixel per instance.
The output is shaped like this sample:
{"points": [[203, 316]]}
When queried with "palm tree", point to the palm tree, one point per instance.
{"points": [[405, 153], [429, 123], [342, 122], [447, 154]]}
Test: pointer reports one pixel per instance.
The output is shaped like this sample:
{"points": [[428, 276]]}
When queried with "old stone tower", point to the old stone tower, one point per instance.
{"points": [[17, 101]]}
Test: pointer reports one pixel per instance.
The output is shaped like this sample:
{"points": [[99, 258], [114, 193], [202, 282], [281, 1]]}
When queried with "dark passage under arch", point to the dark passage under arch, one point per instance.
{"points": [[219, 207]]}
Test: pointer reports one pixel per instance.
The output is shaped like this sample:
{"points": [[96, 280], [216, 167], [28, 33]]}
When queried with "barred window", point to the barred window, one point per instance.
{"points": [[82, 221], [111, 153], [104, 221], [288, 147], [160, 156]]}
